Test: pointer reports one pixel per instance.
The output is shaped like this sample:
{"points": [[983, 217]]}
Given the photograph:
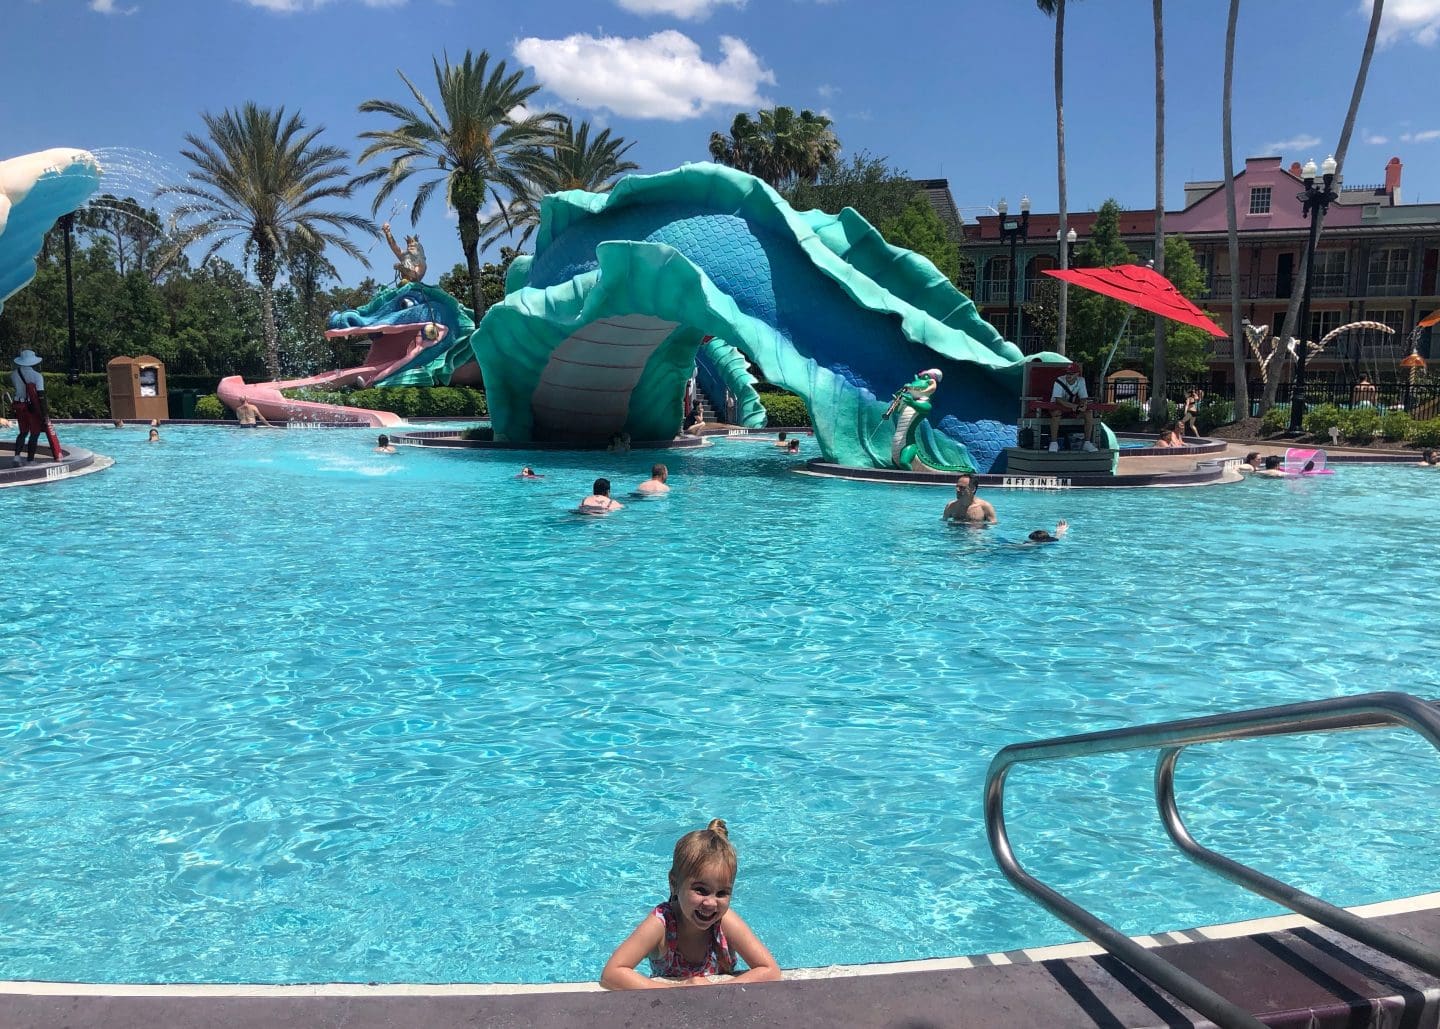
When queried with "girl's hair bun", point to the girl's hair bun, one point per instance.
{"points": [[718, 825]]}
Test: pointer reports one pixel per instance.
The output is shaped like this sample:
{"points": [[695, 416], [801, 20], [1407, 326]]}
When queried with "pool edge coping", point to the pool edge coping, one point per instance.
{"points": [[1021, 956]]}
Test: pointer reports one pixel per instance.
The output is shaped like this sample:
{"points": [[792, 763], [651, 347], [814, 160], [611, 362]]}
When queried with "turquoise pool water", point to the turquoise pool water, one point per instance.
{"points": [[275, 708]]}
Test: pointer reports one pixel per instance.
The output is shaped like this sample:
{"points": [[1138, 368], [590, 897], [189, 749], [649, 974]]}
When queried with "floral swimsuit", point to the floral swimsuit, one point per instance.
{"points": [[671, 964]]}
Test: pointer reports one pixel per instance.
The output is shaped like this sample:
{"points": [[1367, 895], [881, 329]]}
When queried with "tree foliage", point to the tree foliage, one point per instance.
{"points": [[920, 229], [480, 143], [573, 160], [778, 145], [259, 178], [878, 192]]}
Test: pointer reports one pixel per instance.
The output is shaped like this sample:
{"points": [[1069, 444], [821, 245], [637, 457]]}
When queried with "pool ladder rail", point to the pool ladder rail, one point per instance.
{"points": [[1368, 711]]}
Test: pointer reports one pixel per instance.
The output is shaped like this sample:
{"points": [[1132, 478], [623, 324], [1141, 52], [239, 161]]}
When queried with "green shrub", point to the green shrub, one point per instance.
{"points": [[210, 407], [1214, 412], [784, 410], [1277, 419], [1426, 434], [1319, 420], [451, 402], [406, 401], [1128, 415], [1396, 425], [81, 400], [1360, 425]]}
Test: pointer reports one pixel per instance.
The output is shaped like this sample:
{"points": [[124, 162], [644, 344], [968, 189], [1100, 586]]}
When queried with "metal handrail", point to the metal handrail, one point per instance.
{"points": [[1369, 711]]}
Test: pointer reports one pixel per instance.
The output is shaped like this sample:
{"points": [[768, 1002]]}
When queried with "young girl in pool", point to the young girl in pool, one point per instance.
{"points": [[694, 934]]}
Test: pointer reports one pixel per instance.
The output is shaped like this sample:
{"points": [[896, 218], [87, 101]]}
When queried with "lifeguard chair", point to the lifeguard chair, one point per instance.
{"points": [[1033, 455]]}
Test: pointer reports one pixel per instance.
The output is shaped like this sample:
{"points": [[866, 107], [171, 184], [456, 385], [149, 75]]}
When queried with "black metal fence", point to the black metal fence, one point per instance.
{"points": [[1419, 399]]}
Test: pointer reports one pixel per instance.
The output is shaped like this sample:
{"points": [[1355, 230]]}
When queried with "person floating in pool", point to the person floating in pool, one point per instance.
{"points": [[154, 436], [656, 484], [967, 507], [528, 473], [1251, 462], [383, 446], [782, 440], [1042, 536], [599, 501], [793, 447], [696, 933], [1429, 459]]}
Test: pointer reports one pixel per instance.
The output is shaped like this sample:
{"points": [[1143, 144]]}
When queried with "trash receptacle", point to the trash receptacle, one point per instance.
{"points": [[137, 388]]}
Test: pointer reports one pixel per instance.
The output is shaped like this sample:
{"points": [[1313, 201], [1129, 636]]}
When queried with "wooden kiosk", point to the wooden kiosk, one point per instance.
{"points": [[1033, 455], [137, 388]]}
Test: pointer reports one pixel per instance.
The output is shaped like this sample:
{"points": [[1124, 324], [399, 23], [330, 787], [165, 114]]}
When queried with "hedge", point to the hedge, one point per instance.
{"points": [[406, 401], [784, 410]]}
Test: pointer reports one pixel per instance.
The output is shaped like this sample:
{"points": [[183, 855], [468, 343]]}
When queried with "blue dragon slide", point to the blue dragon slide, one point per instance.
{"points": [[600, 328]]}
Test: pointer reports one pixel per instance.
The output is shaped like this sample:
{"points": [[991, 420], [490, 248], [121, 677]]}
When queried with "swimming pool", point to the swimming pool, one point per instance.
{"points": [[288, 710]]}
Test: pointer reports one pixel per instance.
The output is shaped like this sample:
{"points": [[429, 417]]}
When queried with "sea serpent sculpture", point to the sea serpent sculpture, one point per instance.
{"points": [[913, 400]]}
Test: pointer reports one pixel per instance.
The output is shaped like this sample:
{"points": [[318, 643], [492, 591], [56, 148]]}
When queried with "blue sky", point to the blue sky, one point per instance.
{"points": [[954, 88]]}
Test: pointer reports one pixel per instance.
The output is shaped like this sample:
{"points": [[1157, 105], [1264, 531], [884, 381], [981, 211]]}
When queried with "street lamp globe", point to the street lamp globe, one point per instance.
{"points": [[1308, 172], [1024, 204], [1002, 207], [1328, 168], [1071, 237]]}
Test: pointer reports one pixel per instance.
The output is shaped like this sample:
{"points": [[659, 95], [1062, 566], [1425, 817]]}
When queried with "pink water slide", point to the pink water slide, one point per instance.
{"points": [[392, 347]]}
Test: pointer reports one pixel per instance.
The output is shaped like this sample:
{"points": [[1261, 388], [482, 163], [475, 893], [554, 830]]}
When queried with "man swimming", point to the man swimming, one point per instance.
{"points": [[655, 485]]}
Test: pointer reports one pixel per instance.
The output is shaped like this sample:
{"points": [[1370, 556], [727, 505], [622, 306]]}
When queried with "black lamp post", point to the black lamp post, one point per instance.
{"points": [[1013, 233], [73, 375], [1070, 239], [1315, 197]]}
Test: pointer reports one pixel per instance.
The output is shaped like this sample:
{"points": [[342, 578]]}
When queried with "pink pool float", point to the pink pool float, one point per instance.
{"points": [[1299, 461]]}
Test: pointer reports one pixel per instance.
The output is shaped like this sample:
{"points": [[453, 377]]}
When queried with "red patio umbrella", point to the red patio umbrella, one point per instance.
{"points": [[1141, 287]]}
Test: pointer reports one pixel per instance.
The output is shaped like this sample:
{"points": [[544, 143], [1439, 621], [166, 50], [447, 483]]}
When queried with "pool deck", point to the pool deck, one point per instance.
{"points": [[1286, 970]]}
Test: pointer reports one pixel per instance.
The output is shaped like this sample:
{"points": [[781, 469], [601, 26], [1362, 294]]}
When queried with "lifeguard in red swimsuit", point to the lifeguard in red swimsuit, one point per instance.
{"points": [[29, 407]]}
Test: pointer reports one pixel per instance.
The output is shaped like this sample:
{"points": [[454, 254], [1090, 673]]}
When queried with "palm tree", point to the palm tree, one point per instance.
{"points": [[479, 141], [1292, 310], [1159, 407], [1056, 10], [573, 161], [778, 146], [258, 178], [1239, 356]]}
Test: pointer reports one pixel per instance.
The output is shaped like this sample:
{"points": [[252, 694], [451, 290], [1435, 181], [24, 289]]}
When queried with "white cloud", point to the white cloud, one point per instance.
{"points": [[1428, 136], [1304, 141], [662, 76], [1373, 138], [108, 7], [685, 10], [827, 91], [1416, 19]]}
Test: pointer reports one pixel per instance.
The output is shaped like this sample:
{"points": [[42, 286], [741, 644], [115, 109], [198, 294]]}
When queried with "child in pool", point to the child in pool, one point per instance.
{"points": [[694, 934]]}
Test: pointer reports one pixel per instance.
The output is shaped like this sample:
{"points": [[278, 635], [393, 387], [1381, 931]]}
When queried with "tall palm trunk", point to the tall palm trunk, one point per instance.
{"points": [[1060, 165], [266, 268], [1237, 333], [1159, 408], [470, 244], [1292, 310]]}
